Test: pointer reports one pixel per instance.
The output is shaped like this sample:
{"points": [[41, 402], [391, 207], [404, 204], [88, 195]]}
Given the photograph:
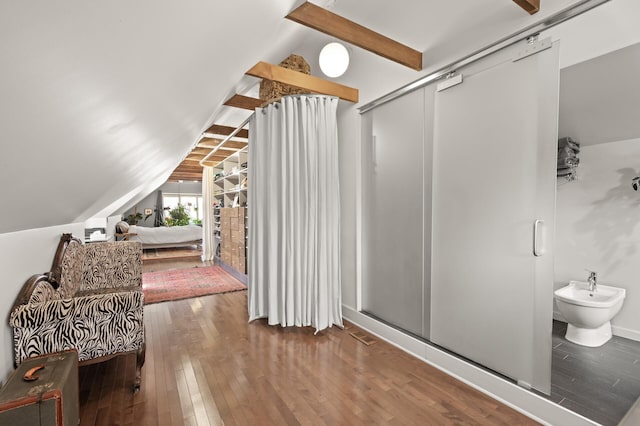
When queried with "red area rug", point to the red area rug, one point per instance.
{"points": [[185, 283]]}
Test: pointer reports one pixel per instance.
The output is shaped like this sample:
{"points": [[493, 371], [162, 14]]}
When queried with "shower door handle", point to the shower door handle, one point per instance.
{"points": [[538, 237]]}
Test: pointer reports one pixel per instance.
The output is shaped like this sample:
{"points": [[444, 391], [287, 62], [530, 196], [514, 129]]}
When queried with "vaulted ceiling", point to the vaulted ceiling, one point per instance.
{"points": [[325, 21], [101, 101]]}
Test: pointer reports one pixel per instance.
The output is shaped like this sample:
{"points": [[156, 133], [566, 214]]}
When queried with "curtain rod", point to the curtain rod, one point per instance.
{"points": [[225, 140], [532, 30], [245, 122]]}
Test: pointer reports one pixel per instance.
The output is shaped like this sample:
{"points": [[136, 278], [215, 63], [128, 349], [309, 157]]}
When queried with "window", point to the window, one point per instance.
{"points": [[192, 203]]}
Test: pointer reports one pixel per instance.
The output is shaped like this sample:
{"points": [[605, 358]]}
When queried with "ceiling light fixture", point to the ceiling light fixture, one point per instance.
{"points": [[334, 60]]}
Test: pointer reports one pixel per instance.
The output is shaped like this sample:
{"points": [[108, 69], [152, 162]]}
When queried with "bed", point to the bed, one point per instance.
{"points": [[165, 236]]}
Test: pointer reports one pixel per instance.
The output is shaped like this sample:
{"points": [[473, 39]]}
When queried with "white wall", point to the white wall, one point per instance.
{"points": [[598, 226], [24, 253]]}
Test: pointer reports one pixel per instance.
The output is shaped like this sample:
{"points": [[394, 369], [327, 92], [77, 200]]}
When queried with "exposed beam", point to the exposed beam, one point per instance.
{"points": [[303, 81], [325, 21], [189, 169], [212, 163], [212, 143], [200, 151], [186, 176], [220, 154], [531, 6], [222, 151], [217, 129], [244, 102], [193, 161]]}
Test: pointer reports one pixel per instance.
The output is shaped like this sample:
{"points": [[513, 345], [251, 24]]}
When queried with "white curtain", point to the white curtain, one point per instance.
{"points": [[209, 242], [294, 213]]}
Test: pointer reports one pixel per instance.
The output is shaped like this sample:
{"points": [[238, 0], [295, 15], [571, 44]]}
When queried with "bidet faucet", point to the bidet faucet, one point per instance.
{"points": [[593, 281]]}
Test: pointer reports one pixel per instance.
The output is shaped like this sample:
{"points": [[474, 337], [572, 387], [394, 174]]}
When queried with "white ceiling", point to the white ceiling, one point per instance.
{"points": [[100, 101]]}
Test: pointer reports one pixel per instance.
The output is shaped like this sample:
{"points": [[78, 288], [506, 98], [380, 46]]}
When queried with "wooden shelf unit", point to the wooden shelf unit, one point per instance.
{"points": [[230, 217]]}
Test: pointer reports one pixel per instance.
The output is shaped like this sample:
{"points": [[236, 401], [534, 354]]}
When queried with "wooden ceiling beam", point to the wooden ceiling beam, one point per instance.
{"points": [[212, 161], [186, 174], [244, 102], [530, 6], [194, 161], [189, 167], [224, 150], [325, 21], [200, 151], [218, 129], [220, 154], [303, 81], [212, 143], [184, 178], [192, 175]]}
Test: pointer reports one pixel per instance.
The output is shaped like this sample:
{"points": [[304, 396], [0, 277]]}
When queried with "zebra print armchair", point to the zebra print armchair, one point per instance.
{"points": [[91, 301]]}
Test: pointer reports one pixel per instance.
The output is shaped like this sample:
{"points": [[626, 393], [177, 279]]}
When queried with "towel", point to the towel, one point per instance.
{"points": [[569, 143], [568, 162]]}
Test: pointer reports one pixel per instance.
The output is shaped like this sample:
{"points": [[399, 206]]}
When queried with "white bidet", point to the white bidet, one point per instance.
{"points": [[588, 313]]}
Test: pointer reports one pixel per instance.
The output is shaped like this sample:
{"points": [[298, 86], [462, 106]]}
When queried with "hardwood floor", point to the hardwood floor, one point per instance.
{"points": [[189, 253], [206, 365]]}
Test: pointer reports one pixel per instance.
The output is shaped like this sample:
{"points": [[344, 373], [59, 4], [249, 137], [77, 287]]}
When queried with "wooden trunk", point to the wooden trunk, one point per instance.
{"points": [[52, 399]]}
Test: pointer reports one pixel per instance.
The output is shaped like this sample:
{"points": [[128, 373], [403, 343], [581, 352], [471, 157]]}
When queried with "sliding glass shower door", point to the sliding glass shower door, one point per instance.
{"points": [[458, 212], [493, 213]]}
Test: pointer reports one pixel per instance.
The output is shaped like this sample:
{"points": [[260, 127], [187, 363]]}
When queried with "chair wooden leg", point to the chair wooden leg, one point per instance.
{"points": [[140, 356]]}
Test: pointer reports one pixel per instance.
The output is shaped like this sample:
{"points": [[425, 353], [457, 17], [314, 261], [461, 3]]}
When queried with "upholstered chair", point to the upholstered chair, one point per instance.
{"points": [[91, 301]]}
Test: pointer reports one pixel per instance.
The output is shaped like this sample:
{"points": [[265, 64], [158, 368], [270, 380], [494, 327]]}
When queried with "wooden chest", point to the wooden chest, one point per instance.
{"points": [[51, 399]]}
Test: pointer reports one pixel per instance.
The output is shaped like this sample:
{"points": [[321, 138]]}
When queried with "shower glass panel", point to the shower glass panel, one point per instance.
{"points": [[396, 188]]}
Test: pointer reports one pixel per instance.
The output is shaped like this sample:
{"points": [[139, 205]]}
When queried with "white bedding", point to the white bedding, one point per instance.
{"points": [[165, 234]]}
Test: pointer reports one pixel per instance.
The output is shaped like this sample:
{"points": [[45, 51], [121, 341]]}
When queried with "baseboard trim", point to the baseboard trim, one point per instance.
{"points": [[234, 272], [526, 402], [627, 333]]}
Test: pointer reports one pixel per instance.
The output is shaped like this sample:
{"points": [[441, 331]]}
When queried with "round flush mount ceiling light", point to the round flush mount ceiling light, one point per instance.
{"points": [[334, 60]]}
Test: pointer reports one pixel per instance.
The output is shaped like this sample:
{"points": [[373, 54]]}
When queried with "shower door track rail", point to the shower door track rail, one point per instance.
{"points": [[523, 34]]}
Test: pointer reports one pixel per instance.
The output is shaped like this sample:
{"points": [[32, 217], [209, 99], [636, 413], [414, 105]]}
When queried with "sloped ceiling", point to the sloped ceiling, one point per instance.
{"points": [[100, 101], [600, 98]]}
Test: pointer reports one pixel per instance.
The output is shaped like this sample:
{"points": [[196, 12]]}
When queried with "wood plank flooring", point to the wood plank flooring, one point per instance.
{"points": [[599, 383], [190, 253], [206, 365]]}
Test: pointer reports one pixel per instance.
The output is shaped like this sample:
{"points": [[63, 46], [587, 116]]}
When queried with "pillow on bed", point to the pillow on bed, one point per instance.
{"points": [[122, 227]]}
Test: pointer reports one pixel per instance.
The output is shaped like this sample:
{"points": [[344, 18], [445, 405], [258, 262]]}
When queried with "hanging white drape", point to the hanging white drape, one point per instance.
{"points": [[294, 213], [208, 225]]}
